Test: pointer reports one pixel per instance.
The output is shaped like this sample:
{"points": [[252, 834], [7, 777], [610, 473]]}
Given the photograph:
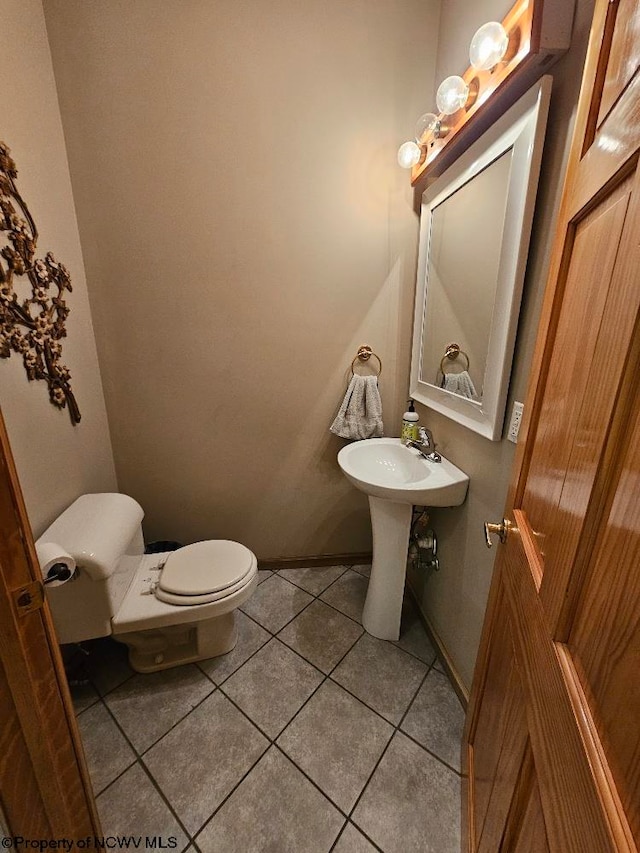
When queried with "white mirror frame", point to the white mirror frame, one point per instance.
{"points": [[522, 129]]}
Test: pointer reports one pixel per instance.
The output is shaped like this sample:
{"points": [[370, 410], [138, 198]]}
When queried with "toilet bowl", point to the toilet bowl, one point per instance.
{"points": [[169, 608]]}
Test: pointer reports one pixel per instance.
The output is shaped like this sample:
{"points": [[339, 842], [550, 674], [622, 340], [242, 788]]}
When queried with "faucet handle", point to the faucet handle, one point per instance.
{"points": [[426, 436]]}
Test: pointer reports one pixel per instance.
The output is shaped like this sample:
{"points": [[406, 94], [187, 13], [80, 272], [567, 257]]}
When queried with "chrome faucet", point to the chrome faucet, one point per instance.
{"points": [[425, 445]]}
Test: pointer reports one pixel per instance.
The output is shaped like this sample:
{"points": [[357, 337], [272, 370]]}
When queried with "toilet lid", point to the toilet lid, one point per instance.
{"points": [[205, 567]]}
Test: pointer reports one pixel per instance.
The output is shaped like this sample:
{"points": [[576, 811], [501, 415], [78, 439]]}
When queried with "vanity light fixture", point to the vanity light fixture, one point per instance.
{"points": [[507, 58], [488, 46]]}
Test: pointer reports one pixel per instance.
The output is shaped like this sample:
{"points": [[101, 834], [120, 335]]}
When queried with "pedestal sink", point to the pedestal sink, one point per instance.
{"points": [[395, 478]]}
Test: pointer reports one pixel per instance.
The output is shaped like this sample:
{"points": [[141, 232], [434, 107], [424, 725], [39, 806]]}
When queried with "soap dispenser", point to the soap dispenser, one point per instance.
{"points": [[409, 424]]}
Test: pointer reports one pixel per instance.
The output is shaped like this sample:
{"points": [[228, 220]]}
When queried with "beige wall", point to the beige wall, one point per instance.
{"points": [[56, 461], [455, 598], [245, 227]]}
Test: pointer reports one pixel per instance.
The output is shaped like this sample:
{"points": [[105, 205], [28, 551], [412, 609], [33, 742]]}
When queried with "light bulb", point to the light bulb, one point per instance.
{"points": [[409, 154], [452, 95], [488, 46], [425, 125]]}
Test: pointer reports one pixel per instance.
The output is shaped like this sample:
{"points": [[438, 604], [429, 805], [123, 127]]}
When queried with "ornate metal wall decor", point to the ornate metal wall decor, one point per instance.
{"points": [[33, 324]]}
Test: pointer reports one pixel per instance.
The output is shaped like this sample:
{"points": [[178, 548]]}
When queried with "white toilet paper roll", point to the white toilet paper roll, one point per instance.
{"points": [[49, 554]]}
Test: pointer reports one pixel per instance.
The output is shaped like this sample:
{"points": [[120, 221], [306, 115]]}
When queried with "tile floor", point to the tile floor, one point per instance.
{"points": [[310, 736]]}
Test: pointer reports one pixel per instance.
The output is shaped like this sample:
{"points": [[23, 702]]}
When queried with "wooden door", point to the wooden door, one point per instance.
{"points": [[552, 741], [45, 792]]}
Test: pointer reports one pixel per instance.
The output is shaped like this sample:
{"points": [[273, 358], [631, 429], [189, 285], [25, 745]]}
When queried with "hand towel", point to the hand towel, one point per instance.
{"points": [[461, 384], [360, 414]]}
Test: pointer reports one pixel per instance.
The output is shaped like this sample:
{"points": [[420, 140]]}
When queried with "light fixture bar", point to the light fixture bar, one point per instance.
{"points": [[539, 33]]}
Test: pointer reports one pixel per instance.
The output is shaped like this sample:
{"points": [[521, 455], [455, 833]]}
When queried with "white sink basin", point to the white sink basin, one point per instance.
{"points": [[395, 478], [385, 468]]}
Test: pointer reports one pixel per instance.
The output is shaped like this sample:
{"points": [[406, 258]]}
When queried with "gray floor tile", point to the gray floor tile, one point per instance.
{"points": [[413, 637], [436, 719], [263, 574], [250, 638], [412, 804], [437, 664], [108, 664], [272, 686], [363, 569], [276, 602], [336, 741], [347, 594], [313, 580], [321, 635], [83, 696], [353, 841], [199, 762], [383, 676], [149, 704], [106, 750], [274, 810], [133, 806]]}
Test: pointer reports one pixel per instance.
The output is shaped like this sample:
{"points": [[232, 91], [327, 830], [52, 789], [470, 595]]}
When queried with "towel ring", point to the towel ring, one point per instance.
{"points": [[364, 354], [452, 352]]}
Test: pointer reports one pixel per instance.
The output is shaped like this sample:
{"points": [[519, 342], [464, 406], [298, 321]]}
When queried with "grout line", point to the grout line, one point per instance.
{"points": [[86, 708], [341, 612], [272, 741], [122, 772], [390, 642], [370, 777], [364, 702], [233, 789], [240, 665], [309, 779], [396, 729], [299, 589], [318, 597], [413, 698], [417, 742], [353, 695], [155, 784], [111, 689], [177, 723], [333, 667], [362, 832], [431, 753], [315, 594], [253, 619], [140, 760], [253, 722], [339, 835], [96, 655], [288, 723]]}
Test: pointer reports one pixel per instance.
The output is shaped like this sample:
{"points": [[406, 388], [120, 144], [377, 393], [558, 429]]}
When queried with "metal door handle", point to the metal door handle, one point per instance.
{"points": [[501, 529]]}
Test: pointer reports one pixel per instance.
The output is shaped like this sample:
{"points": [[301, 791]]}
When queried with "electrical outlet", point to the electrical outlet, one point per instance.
{"points": [[516, 420]]}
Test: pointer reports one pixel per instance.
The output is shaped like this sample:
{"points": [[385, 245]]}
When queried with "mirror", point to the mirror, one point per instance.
{"points": [[474, 238]]}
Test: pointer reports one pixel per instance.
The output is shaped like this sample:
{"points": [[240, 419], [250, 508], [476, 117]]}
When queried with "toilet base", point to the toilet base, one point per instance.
{"points": [[163, 648]]}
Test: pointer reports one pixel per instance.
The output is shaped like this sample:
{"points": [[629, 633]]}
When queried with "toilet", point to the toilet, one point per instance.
{"points": [[169, 608]]}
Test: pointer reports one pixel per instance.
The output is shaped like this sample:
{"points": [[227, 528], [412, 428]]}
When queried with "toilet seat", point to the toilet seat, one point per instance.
{"points": [[205, 571]]}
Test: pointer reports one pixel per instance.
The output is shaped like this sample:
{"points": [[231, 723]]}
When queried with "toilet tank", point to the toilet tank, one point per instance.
{"points": [[103, 533]]}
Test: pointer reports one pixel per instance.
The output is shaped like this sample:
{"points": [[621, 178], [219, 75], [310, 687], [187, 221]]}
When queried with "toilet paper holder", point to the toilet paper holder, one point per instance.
{"points": [[57, 572], [30, 597]]}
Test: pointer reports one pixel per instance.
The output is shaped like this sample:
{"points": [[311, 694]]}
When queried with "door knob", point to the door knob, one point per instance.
{"points": [[501, 529]]}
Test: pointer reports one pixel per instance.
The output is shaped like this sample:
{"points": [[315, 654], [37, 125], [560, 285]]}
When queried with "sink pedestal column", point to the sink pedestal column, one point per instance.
{"points": [[391, 524]]}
